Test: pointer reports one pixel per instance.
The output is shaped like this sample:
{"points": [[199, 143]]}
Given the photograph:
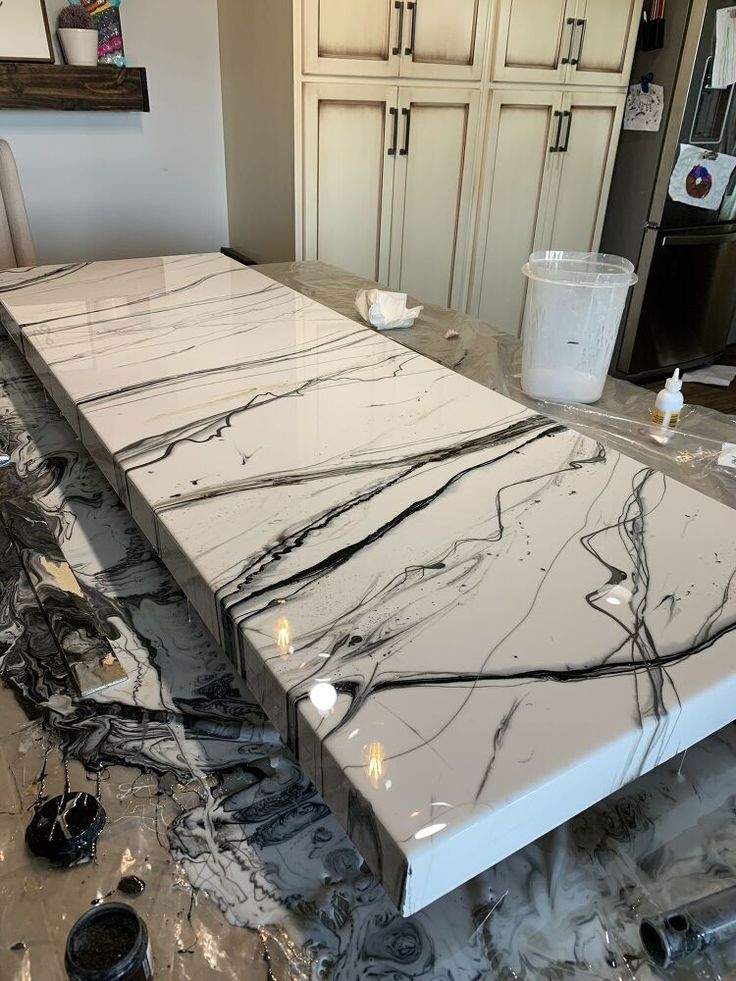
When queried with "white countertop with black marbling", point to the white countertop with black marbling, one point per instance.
{"points": [[511, 621]]}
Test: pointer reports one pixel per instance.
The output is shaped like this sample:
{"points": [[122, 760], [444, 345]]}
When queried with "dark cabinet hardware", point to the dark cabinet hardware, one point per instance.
{"points": [[405, 149], [399, 5], [395, 139], [581, 24], [412, 6], [567, 116], [571, 25], [556, 145]]}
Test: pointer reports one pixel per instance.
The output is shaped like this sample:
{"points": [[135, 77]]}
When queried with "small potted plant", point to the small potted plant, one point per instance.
{"points": [[78, 36]]}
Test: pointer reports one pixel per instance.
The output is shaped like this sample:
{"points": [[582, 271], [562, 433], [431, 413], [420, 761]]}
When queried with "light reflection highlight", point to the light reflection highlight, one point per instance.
{"points": [[283, 637], [323, 696], [375, 766], [127, 861], [429, 830], [617, 596]]}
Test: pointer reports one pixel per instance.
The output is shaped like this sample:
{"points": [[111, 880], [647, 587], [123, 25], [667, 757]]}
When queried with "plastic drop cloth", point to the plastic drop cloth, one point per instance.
{"points": [[39, 904], [492, 358]]}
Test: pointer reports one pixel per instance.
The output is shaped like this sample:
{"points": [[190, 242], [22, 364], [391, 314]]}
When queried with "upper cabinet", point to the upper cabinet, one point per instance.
{"points": [[578, 42], [534, 40], [605, 38], [445, 40], [394, 38], [356, 38]]}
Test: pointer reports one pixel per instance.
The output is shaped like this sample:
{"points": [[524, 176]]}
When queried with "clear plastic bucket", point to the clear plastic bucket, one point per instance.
{"points": [[574, 304]]}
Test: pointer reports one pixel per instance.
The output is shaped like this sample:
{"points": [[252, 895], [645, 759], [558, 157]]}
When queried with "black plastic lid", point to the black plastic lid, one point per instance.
{"points": [[109, 943], [65, 828]]}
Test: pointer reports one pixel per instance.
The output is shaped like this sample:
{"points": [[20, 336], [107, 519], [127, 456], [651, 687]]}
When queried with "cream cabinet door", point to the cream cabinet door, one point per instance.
{"points": [[432, 193], [522, 138], [349, 152], [445, 39], [605, 38], [352, 37], [583, 169], [534, 40]]}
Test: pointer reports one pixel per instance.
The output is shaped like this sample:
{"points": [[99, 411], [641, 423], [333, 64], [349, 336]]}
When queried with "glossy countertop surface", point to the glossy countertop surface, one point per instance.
{"points": [[468, 622]]}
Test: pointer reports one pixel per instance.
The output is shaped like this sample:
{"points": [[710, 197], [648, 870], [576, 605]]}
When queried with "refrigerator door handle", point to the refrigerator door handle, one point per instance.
{"points": [[699, 239], [712, 139]]}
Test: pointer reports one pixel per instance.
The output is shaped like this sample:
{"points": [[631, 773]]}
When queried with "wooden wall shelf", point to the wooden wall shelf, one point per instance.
{"points": [[35, 86]]}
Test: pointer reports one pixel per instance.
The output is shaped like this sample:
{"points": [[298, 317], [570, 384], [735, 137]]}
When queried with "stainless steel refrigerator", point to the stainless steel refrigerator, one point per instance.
{"points": [[683, 308]]}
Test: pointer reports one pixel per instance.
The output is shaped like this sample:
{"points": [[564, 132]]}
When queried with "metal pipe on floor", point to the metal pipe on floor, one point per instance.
{"points": [[691, 928]]}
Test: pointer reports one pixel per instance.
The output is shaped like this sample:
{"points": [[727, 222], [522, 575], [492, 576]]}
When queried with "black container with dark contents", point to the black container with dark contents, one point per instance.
{"points": [[65, 829], [109, 943]]}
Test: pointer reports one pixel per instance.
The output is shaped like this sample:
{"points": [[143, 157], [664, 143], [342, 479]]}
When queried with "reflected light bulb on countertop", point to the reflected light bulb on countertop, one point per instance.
{"points": [[323, 696], [617, 596], [283, 637]]}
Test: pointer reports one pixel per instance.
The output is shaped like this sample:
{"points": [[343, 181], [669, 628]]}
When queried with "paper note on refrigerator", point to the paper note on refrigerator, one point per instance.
{"points": [[644, 109], [700, 178], [724, 59]]}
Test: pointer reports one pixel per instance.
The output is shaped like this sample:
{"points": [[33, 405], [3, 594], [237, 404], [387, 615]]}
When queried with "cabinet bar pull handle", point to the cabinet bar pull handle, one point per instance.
{"points": [[399, 5], [556, 145], [568, 116], [405, 149], [582, 24], [412, 6], [394, 142], [571, 25]]}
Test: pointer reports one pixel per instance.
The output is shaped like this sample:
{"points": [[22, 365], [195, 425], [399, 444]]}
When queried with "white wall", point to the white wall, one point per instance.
{"points": [[256, 40], [115, 185]]}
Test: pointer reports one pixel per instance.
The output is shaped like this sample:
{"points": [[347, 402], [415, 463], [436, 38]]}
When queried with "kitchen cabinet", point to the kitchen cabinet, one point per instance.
{"points": [[432, 193], [604, 43], [431, 39], [520, 136], [581, 170], [388, 182], [534, 40], [547, 169], [349, 154], [427, 144], [359, 37], [577, 42]]}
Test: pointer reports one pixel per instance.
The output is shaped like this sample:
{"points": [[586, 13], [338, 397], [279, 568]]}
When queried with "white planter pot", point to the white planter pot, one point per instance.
{"points": [[79, 46]]}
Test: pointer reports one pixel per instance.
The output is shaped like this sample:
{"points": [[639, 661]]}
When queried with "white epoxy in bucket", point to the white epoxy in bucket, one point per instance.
{"points": [[574, 304]]}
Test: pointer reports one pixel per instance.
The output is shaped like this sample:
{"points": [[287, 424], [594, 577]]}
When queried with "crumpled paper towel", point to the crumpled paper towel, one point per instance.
{"points": [[384, 310]]}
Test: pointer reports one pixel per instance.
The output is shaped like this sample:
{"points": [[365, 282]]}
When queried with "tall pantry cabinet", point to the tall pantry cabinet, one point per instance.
{"points": [[427, 144]]}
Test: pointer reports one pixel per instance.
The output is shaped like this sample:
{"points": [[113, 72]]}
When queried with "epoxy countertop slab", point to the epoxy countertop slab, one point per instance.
{"points": [[467, 622]]}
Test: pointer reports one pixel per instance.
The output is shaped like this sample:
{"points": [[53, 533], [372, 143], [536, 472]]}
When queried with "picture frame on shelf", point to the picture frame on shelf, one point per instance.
{"points": [[24, 31]]}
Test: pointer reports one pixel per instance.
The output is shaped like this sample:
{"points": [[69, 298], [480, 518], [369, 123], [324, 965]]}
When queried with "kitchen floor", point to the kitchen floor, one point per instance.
{"points": [[710, 396]]}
